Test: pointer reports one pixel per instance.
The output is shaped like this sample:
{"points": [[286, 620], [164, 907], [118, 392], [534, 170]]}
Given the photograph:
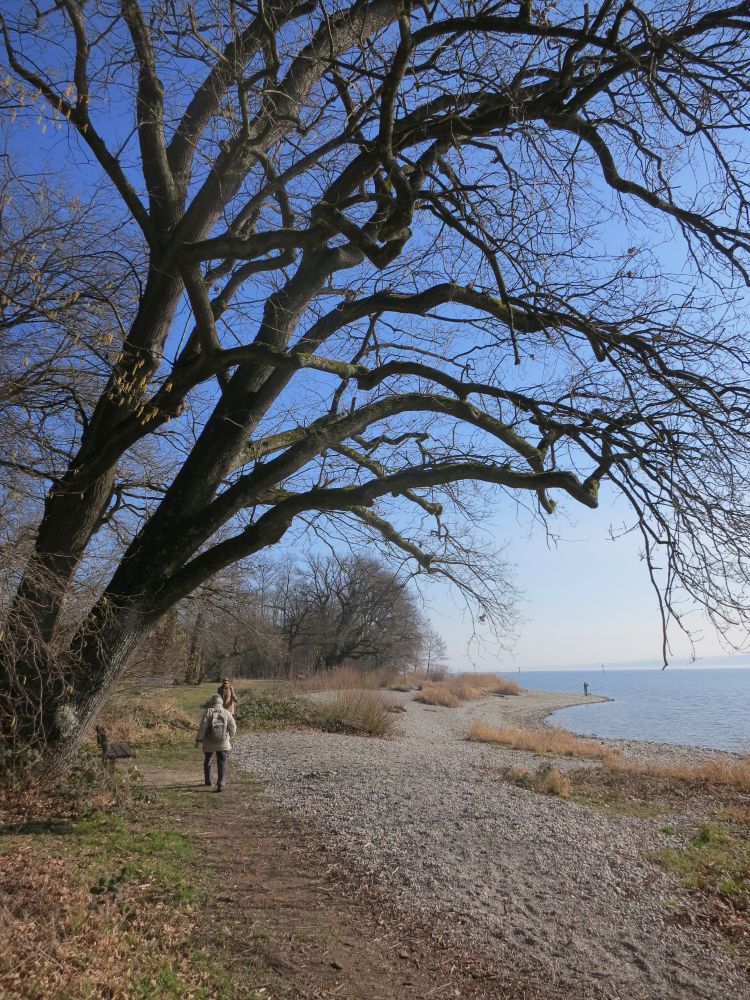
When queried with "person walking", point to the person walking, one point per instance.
{"points": [[228, 696], [215, 732]]}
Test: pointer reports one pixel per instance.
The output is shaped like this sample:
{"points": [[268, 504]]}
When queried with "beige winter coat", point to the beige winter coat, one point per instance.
{"points": [[229, 697], [204, 730]]}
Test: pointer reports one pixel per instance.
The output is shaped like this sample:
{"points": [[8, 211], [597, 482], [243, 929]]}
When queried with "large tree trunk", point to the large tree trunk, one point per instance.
{"points": [[70, 519], [98, 659], [196, 660], [39, 681], [51, 698]]}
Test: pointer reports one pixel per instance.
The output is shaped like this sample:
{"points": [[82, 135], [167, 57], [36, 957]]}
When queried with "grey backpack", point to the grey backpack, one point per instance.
{"points": [[217, 726]]}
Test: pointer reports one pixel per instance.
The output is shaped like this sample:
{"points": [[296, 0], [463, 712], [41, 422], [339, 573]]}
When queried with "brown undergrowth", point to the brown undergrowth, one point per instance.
{"points": [[95, 885]]}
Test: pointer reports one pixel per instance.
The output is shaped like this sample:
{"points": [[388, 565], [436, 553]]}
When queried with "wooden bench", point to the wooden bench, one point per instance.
{"points": [[111, 752]]}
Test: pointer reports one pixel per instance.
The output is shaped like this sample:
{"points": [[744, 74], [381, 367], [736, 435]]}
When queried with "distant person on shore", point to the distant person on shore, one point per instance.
{"points": [[228, 696], [215, 731], [586, 688]]}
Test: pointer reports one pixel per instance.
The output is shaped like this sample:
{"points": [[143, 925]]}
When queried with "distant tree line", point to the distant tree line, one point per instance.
{"points": [[294, 620]]}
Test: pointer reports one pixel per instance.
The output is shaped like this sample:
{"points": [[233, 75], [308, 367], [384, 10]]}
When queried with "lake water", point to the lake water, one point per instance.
{"points": [[707, 707]]}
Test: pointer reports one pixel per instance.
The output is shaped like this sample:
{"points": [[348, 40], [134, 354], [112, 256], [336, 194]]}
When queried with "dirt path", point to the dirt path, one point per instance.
{"points": [[298, 927]]}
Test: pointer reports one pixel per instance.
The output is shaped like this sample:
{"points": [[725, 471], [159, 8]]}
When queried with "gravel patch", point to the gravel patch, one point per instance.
{"points": [[534, 879]]}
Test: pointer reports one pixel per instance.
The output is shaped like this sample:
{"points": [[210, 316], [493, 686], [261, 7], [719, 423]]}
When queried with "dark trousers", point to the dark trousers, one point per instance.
{"points": [[222, 756]]}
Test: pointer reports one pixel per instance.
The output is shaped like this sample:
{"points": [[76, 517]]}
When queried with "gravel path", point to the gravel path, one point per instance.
{"points": [[537, 880]]}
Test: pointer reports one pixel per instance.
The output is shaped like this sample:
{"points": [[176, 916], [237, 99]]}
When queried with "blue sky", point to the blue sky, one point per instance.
{"points": [[586, 599]]}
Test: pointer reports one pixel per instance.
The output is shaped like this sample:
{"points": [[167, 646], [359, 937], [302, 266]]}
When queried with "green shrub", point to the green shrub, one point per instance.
{"points": [[265, 709]]}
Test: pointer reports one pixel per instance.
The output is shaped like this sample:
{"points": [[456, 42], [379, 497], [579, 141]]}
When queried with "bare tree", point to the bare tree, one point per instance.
{"points": [[434, 652], [393, 258]]}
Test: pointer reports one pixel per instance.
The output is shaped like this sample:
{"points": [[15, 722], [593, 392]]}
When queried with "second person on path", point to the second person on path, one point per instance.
{"points": [[228, 696]]}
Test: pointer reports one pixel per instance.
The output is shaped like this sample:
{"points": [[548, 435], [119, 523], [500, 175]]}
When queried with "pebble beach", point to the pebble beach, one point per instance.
{"points": [[535, 880]]}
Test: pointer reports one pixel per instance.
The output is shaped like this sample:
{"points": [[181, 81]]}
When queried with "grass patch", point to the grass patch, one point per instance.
{"points": [[265, 708], [471, 686], [107, 905], [715, 866], [733, 772], [639, 789], [552, 740], [617, 805], [715, 859], [437, 694]]}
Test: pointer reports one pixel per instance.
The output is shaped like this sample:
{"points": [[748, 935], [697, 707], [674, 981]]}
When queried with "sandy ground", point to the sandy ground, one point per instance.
{"points": [[535, 881]]}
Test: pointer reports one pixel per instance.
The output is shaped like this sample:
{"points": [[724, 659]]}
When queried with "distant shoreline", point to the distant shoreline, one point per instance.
{"points": [[631, 666]]}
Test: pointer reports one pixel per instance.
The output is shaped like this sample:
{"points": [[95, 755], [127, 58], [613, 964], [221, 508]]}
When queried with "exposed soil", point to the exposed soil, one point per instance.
{"points": [[289, 916]]}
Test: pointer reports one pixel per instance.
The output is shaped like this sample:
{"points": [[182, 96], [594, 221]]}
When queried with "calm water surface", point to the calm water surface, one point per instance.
{"points": [[707, 707]]}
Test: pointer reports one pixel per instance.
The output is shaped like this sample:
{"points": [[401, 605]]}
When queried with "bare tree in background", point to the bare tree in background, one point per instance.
{"points": [[392, 259], [434, 652], [350, 609]]}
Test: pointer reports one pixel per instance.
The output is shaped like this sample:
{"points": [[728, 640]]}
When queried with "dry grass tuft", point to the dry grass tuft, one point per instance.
{"points": [[437, 694], [465, 687], [361, 712], [732, 772], [492, 684], [555, 741], [403, 684], [547, 780], [413, 681], [147, 722]]}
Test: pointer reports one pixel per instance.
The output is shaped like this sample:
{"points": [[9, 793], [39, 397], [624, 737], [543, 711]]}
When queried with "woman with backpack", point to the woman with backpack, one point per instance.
{"points": [[216, 728]]}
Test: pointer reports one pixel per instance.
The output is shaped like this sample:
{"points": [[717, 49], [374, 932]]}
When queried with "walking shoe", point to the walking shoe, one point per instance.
{"points": [[207, 784], [219, 788]]}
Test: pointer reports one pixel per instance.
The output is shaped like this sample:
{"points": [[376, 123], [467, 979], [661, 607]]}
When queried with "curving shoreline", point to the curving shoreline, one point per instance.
{"points": [[536, 714], [545, 703]]}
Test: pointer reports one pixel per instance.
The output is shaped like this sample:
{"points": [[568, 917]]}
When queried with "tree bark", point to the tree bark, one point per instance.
{"points": [[196, 660], [100, 660]]}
